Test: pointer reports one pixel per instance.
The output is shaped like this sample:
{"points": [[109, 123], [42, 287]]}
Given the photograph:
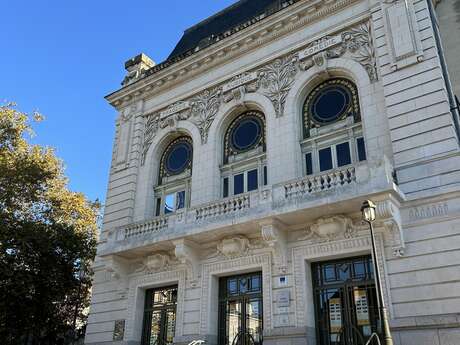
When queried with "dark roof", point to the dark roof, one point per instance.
{"points": [[211, 29]]}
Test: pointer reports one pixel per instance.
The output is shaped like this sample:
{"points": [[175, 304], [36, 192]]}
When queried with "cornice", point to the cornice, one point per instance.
{"points": [[248, 39]]}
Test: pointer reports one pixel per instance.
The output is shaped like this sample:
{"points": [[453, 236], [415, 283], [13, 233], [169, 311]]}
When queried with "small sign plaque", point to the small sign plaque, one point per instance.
{"points": [[323, 45], [175, 108], [240, 80], [119, 330], [283, 298]]}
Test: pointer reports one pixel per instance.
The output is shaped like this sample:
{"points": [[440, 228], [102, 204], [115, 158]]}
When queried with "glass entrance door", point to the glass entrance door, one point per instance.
{"points": [[345, 301], [240, 310], [159, 316]]}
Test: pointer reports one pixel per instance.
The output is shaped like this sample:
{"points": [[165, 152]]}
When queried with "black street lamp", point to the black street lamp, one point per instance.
{"points": [[369, 215]]}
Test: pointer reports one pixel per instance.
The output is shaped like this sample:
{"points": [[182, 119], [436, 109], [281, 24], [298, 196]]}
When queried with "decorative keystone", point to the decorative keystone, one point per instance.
{"points": [[274, 234]]}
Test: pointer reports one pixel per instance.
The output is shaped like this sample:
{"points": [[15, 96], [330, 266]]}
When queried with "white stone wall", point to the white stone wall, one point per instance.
{"points": [[407, 126]]}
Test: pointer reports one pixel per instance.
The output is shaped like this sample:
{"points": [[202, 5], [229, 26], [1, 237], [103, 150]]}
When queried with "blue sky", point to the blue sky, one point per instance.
{"points": [[62, 57]]}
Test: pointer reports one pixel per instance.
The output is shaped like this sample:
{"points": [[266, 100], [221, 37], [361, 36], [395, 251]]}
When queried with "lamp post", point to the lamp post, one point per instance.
{"points": [[369, 215]]}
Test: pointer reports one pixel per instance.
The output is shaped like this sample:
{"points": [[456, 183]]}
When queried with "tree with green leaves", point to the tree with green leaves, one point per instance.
{"points": [[47, 240]]}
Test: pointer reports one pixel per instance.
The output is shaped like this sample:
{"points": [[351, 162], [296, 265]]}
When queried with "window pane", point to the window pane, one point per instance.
{"points": [[253, 180], [169, 203], [225, 192], [343, 154], [325, 159], [309, 163], [158, 207], [238, 184], [180, 202], [361, 149], [265, 176]]}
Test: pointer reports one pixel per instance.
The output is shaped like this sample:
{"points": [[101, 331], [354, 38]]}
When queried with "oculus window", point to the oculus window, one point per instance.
{"points": [[172, 192], [244, 160], [333, 135]]}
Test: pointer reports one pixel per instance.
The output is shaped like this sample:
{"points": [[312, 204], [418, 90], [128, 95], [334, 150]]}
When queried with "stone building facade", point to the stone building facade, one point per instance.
{"points": [[239, 168]]}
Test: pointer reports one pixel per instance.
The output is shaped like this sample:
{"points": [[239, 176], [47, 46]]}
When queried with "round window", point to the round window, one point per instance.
{"points": [[246, 134], [331, 101], [178, 156]]}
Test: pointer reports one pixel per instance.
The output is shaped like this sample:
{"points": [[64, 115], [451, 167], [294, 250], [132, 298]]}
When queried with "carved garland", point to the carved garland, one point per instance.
{"points": [[273, 80]]}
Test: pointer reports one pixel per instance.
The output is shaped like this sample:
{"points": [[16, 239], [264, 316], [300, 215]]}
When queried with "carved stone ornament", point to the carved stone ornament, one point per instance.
{"points": [[330, 228], [204, 109], [157, 262], [274, 235], [356, 44], [389, 216], [187, 253], [117, 269], [276, 79], [234, 246]]}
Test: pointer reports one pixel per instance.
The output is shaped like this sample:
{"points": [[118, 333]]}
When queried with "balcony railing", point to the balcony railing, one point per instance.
{"points": [[224, 207], [317, 183], [284, 197], [148, 227]]}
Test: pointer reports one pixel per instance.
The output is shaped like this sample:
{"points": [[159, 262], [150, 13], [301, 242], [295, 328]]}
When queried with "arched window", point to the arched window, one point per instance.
{"points": [[244, 159], [173, 190], [333, 135]]}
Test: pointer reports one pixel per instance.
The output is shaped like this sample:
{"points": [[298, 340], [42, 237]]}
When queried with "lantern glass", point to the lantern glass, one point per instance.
{"points": [[368, 211]]}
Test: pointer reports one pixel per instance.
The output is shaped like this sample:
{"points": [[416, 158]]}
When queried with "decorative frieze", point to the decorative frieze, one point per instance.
{"points": [[428, 211], [274, 80], [233, 247]]}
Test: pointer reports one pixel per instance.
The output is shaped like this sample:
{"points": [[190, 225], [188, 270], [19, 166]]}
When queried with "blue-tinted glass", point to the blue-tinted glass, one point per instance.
{"points": [[330, 104], [265, 176], [180, 200], [343, 154], [178, 158], [253, 183], [361, 149], [246, 134], [329, 272], [169, 203], [232, 286], [325, 159], [244, 285], [255, 283], [238, 184], [225, 191], [309, 163]]}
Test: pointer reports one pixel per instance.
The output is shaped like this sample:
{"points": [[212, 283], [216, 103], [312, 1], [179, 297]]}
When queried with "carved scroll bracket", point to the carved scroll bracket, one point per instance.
{"points": [[274, 234], [388, 214], [117, 269], [187, 253]]}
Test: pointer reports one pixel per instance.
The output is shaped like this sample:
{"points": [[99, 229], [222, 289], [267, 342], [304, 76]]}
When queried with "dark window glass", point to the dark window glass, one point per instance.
{"points": [[225, 187], [180, 200], [343, 154], [361, 149], [309, 163], [253, 183], [359, 269], [246, 134], [178, 157], [325, 159], [232, 286], [158, 209], [255, 283], [238, 184], [330, 104], [265, 176]]}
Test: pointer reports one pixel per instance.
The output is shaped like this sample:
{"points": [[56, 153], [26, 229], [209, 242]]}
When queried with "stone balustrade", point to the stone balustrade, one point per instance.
{"points": [[224, 207], [151, 226], [363, 178], [317, 183]]}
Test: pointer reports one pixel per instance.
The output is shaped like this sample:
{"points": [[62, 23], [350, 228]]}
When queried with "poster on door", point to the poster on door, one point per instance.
{"points": [[335, 315], [362, 307]]}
